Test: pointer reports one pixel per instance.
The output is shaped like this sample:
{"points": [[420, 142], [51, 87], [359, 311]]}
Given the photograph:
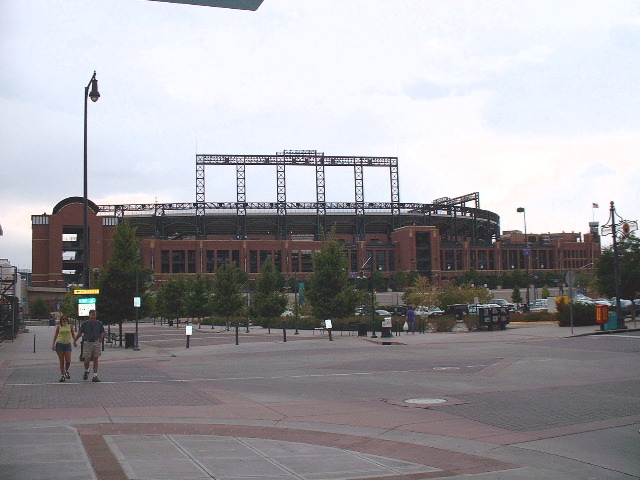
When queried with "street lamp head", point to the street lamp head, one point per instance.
{"points": [[94, 95]]}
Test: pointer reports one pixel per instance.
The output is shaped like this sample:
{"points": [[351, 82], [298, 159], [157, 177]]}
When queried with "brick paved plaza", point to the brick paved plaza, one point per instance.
{"points": [[529, 402]]}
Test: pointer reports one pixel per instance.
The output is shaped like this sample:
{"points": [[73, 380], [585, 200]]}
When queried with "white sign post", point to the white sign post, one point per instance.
{"points": [[189, 331], [85, 305]]}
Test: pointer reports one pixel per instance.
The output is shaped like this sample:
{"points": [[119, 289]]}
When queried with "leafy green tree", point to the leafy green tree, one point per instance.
{"points": [[422, 292], [227, 299], [329, 290], [629, 269], [516, 297], [269, 301], [399, 281], [122, 277], [545, 293], [171, 297], [198, 293], [69, 306], [450, 293], [39, 308]]}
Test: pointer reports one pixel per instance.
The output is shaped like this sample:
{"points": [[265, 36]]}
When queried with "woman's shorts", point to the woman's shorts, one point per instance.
{"points": [[63, 347], [91, 349]]}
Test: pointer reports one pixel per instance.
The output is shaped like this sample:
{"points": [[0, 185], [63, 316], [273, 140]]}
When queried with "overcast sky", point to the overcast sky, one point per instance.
{"points": [[529, 103]]}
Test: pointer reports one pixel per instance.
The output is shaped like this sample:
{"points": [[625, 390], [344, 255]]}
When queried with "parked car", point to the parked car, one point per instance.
{"points": [[626, 306], [580, 298], [504, 303], [458, 310], [431, 311], [383, 313], [538, 305], [400, 310]]}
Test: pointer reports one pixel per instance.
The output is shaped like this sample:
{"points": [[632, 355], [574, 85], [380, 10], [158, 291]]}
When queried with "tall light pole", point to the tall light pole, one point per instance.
{"points": [[526, 252], [94, 95]]}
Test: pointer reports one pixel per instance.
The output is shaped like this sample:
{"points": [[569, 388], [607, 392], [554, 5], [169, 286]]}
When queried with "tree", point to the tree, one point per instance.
{"points": [[39, 308], [227, 300], [545, 292], [629, 269], [399, 281], [198, 293], [122, 279], [450, 294], [270, 301], [516, 297], [421, 292], [329, 290], [69, 306], [171, 298]]}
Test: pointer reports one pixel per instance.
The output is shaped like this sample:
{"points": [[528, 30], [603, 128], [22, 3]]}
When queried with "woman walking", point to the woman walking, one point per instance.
{"points": [[62, 345]]}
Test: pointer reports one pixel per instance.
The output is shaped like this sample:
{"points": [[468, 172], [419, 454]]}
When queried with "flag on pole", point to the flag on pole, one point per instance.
{"points": [[595, 205]]}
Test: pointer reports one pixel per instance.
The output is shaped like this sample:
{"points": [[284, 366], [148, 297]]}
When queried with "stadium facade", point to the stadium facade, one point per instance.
{"points": [[441, 239]]}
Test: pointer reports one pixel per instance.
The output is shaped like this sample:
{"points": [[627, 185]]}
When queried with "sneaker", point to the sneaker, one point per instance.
{"points": [[85, 376], [67, 376], [62, 378], [95, 379]]}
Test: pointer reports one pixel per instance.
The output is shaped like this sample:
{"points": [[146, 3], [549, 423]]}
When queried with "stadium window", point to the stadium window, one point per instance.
{"points": [[211, 261], [277, 260], [295, 261], [223, 257], [253, 261], [307, 264], [191, 261], [264, 256], [177, 261], [165, 261]]}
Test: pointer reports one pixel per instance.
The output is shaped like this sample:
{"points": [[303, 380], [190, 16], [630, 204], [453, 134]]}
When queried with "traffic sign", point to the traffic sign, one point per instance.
{"points": [[570, 278], [91, 291]]}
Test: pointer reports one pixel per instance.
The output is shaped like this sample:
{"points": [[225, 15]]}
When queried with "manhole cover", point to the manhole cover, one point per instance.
{"points": [[425, 401]]}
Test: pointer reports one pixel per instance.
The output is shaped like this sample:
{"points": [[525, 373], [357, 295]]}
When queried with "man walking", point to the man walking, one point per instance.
{"points": [[92, 332], [411, 319]]}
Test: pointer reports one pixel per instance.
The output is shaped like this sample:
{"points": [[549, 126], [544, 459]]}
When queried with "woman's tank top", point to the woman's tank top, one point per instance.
{"points": [[64, 335]]}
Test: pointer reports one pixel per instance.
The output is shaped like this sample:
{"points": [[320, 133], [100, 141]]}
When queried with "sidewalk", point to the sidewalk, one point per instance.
{"points": [[163, 413]]}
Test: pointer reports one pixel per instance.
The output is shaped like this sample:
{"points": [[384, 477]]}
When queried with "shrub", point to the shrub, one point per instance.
{"points": [[472, 322], [442, 323], [540, 316], [584, 315]]}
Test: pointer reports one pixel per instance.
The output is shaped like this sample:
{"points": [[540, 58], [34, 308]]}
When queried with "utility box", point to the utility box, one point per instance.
{"points": [[493, 317]]}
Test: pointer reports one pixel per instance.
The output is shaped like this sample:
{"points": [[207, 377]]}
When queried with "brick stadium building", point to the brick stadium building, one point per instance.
{"points": [[442, 239]]}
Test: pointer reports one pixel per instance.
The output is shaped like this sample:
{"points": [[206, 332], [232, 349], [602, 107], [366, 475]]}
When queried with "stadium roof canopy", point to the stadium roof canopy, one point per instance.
{"points": [[237, 4]]}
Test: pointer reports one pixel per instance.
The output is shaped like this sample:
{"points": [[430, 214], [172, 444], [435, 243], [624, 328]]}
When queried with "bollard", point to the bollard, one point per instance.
{"points": [[237, 330], [284, 331], [34, 343]]}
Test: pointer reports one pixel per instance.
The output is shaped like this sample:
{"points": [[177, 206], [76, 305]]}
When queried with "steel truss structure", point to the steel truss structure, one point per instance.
{"points": [[283, 218], [291, 158]]}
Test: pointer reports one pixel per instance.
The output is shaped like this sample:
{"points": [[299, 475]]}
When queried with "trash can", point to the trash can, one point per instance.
{"points": [[362, 329], [171, 323], [129, 340], [52, 322]]}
